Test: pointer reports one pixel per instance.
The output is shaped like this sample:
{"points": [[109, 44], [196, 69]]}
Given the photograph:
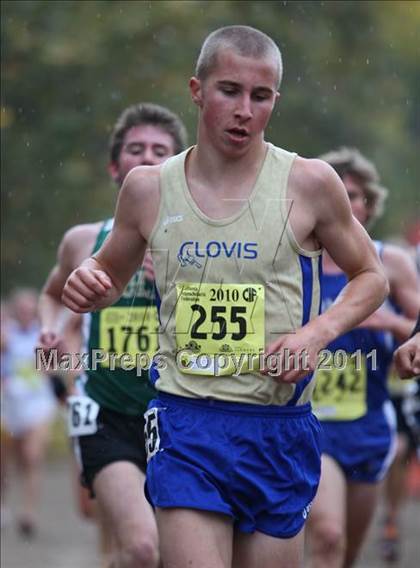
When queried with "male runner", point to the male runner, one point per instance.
{"points": [[233, 452], [109, 421], [351, 397]]}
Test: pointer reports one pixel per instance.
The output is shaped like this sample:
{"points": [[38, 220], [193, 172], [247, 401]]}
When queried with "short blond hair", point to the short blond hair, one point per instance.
{"points": [[244, 40], [350, 161]]}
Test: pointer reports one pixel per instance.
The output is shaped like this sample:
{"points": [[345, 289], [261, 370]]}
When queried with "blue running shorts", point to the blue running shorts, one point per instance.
{"points": [[258, 465], [363, 448]]}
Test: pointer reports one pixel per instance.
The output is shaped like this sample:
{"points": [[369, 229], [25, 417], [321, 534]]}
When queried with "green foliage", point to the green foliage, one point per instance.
{"points": [[70, 67]]}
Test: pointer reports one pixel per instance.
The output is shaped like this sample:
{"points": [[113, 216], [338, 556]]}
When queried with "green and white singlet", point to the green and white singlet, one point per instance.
{"points": [[229, 287], [127, 327]]}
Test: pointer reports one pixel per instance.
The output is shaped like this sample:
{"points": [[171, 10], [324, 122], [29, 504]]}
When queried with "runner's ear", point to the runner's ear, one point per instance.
{"points": [[196, 91]]}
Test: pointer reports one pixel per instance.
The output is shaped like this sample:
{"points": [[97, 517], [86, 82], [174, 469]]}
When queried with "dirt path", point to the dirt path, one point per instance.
{"points": [[66, 541]]}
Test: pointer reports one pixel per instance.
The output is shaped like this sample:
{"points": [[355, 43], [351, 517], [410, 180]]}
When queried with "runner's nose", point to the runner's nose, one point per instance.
{"points": [[243, 110], [149, 158]]}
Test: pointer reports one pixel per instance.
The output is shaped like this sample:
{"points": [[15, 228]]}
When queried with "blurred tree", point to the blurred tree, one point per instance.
{"points": [[69, 68]]}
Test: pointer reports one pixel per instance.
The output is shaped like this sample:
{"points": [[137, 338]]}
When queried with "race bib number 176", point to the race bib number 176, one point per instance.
{"points": [[128, 330]]}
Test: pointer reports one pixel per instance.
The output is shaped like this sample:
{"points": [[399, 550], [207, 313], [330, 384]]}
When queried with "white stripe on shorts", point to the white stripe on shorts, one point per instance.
{"points": [[391, 419]]}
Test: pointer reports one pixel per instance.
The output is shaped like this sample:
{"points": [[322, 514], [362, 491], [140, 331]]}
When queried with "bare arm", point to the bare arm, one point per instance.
{"points": [[320, 198], [352, 250], [403, 280], [55, 318], [100, 280], [404, 291]]}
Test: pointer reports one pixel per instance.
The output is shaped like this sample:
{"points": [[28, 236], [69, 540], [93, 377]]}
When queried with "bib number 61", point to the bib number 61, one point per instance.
{"points": [[82, 415]]}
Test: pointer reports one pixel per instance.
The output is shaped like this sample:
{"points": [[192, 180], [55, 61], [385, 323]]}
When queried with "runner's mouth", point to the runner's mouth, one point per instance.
{"points": [[238, 133]]}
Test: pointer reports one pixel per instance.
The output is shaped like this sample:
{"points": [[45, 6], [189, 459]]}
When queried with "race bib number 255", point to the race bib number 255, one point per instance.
{"points": [[215, 320]]}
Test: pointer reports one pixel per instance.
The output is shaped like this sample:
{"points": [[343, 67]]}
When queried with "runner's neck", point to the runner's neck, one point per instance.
{"points": [[221, 174]]}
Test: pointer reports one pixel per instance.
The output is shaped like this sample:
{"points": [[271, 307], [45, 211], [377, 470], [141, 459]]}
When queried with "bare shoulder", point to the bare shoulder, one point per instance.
{"points": [[312, 178], [78, 242], [394, 257], [319, 199], [77, 233], [399, 266], [141, 183], [139, 198]]}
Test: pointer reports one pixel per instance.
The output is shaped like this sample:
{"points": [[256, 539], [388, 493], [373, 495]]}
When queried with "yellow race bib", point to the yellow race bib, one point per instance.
{"points": [[131, 330], [218, 327], [340, 393], [397, 386]]}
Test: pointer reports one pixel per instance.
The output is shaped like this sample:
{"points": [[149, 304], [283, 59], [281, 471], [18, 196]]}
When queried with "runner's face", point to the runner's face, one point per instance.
{"points": [[236, 101], [143, 145], [357, 198]]}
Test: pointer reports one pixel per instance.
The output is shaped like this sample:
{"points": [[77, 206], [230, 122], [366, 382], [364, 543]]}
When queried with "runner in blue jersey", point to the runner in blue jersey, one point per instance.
{"points": [[351, 398]]}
